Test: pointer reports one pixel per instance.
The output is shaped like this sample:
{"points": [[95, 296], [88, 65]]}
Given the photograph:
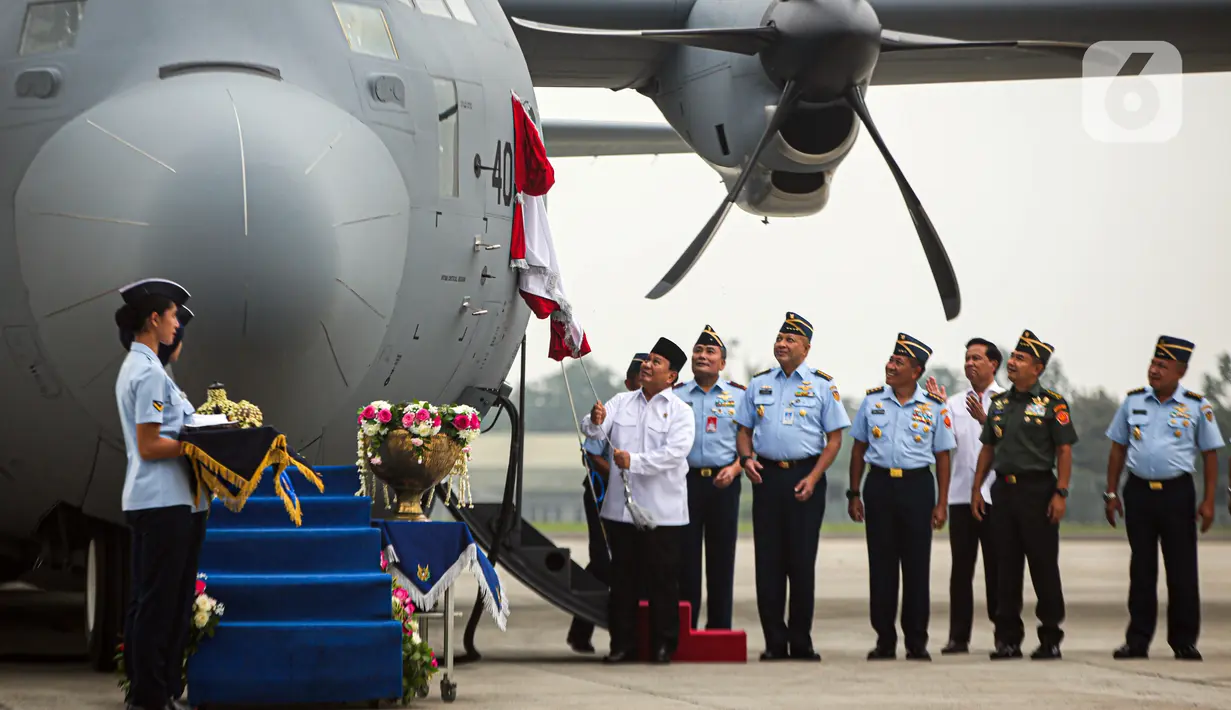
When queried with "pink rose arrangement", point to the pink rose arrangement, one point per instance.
{"points": [[422, 421]]}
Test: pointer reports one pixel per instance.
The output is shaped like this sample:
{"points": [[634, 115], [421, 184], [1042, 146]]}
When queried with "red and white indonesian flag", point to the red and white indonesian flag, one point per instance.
{"points": [[533, 254]]}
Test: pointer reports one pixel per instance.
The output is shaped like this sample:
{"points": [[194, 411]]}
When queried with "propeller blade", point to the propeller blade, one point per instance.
{"points": [[942, 270], [740, 40], [790, 94], [892, 41]]}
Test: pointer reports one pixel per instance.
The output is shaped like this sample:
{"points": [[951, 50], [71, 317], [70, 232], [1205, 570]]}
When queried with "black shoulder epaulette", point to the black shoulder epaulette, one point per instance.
{"points": [[736, 385], [1054, 394], [874, 390], [935, 397], [679, 385], [1193, 395], [1001, 395], [822, 375], [763, 372], [1139, 390]]}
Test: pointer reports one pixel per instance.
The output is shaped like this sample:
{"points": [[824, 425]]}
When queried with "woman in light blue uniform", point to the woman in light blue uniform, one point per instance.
{"points": [[158, 491], [169, 354]]}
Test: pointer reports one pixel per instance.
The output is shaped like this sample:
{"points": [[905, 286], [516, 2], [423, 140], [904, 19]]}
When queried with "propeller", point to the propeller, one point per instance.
{"points": [[821, 52]]}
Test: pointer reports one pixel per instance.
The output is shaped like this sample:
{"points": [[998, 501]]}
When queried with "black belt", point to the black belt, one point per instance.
{"points": [[770, 463], [1157, 485], [899, 472], [705, 472], [1011, 478]]}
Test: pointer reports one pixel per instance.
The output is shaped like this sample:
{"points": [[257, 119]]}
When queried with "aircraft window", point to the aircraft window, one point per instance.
{"points": [[435, 7], [446, 108], [461, 11], [50, 26], [366, 30]]}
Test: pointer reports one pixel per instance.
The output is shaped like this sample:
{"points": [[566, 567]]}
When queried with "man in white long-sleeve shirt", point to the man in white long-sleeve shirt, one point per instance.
{"points": [[651, 432], [967, 533]]}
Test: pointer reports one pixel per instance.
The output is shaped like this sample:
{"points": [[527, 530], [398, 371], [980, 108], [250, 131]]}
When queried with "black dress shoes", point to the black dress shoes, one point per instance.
{"points": [[660, 656], [1046, 652], [918, 654], [1128, 651], [774, 655], [805, 654], [581, 646], [1005, 651], [1187, 653], [955, 647], [882, 653], [620, 657]]}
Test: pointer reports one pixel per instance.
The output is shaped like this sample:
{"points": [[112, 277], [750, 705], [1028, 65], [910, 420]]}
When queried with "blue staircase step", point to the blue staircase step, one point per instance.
{"points": [[290, 550], [296, 662], [303, 597], [318, 512], [338, 480]]}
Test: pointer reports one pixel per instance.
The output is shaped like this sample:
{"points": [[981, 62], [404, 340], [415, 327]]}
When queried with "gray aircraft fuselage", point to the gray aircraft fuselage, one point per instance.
{"points": [[327, 237]]}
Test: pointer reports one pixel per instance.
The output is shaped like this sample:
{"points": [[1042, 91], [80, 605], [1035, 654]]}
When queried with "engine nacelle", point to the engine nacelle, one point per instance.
{"points": [[721, 104]]}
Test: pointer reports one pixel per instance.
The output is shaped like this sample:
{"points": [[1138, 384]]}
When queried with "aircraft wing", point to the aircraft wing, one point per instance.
{"points": [[1197, 28], [569, 138]]}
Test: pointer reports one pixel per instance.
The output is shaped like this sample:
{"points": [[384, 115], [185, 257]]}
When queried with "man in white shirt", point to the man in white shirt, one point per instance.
{"points": [[968, 409], [651, 432]]}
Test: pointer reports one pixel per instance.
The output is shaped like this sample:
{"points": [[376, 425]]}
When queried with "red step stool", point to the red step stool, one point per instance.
{"points": [[695, 646]]}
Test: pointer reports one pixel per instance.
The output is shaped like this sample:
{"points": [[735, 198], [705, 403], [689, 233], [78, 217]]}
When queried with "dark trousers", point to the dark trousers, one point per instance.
{"points": [[966, 536], [713, 519], [651, 556], [188, 589], [161, 543], [1024, 535], [785, 537], [898, 520], [1153, 516], [600, 559]]}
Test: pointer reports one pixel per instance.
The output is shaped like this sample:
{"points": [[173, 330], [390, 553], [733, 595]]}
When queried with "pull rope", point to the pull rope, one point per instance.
{"points": [[591, 478]]}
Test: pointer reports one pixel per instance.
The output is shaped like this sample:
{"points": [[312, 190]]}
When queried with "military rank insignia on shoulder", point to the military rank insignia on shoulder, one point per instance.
{"points": [[822, 374], [934, 397], [1139, 390], [874, 390], [1054, 394], [736, 385], [763, 372], [1193, 395], [679, 385]]}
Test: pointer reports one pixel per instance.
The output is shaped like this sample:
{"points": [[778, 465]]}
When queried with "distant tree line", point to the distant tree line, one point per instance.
{"points": [[548, 409]]}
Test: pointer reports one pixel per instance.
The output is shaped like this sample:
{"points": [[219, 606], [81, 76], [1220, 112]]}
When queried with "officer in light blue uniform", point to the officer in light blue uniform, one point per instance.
{"points": [[901, 430], [158, 495], [791, 419], [1159, 431], [597, 460], [713, 483]]}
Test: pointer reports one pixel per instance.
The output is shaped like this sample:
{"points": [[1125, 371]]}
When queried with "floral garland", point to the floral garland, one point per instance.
{"points": [[422, 420], [418, 659], [206, 615]]}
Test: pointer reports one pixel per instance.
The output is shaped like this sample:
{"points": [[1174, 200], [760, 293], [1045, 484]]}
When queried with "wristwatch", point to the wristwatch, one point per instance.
{"points": [[1062, 492], [1109, 496], [852, 495], [743, 460]]}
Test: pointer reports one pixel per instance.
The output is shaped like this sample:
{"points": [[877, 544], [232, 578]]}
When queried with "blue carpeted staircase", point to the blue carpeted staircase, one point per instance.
{"points": [[308, 613]]}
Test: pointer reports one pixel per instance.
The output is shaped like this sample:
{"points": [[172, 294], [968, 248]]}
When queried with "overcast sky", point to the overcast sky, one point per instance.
{"points": [[1098, 248]]}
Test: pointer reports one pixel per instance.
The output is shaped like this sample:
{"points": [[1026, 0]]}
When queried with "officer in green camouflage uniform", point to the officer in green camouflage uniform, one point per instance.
{"points": [[1028, 431]]}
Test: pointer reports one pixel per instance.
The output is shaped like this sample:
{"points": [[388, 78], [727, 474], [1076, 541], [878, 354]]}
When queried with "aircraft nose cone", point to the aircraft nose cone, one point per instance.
{"points": [[285, 217]]}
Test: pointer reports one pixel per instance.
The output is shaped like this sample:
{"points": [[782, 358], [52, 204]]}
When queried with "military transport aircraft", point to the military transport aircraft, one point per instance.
{"points": [[332, 182]]}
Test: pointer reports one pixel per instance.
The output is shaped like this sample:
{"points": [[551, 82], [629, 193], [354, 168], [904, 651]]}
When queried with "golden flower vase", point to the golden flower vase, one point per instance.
{"points": [[402, 470]]}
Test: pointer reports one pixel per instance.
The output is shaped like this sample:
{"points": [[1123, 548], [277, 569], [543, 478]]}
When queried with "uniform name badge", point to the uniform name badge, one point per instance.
{"points": [[711, 424], [788, 417]]}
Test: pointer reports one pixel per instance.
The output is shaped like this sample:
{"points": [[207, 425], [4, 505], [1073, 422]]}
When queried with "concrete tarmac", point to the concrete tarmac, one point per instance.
{"points": [[530, 666]]}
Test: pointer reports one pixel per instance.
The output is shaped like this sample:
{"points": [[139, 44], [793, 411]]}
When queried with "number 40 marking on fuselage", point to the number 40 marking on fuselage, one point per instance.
{"points": [[502, 173]]}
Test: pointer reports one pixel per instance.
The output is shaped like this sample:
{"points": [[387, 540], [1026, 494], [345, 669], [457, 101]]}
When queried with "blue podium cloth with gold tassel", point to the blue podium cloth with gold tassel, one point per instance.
{"points": [[229, 463], [427, 557]]}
